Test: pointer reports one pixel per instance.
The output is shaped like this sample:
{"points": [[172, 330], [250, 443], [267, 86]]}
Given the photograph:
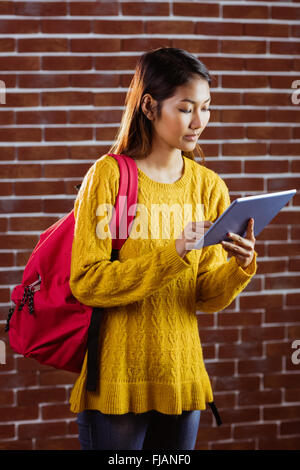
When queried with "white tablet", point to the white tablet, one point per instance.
{"points": [[263, 208]]}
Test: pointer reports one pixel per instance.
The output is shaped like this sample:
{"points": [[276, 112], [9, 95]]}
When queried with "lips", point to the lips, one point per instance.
{"points": [[191, 136]]}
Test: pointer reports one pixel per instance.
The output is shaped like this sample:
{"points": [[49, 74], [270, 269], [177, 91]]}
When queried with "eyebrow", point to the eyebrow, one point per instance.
{"points": [[194, 102]]}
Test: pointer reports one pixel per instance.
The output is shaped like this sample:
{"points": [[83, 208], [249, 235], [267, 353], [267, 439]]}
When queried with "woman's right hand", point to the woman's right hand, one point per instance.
{"points": [[192, 232]]}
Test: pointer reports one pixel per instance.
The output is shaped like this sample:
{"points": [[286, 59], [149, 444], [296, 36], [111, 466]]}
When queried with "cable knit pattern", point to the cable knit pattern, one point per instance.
{"points": [[149, 344]]}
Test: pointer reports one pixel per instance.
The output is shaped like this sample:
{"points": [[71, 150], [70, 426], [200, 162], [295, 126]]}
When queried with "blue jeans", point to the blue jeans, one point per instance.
{"points": [[151, 430]]}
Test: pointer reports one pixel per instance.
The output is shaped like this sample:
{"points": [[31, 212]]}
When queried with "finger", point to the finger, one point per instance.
{"points": [[235, 249], [244, 242], [250, 229]]}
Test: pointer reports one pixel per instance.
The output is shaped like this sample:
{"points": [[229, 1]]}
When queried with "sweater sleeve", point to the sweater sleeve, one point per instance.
{"points": [[220, 281], [97, 281]]}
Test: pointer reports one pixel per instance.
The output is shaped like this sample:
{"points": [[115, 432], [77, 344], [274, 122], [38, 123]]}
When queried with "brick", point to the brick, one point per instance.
{"points": [[43, 45], [218, 28], [168, 27], [271, 364], [42, 430], [244, 149], [65, 26], [225, 166], [7, 44], [109, 99], [245, 11], [288, 380], [240, 115], [284, 48], [71, 98], [279, 348], [58, 377], [19, 413], [93, 8], [28, 205], [284, 315], [240, 350], [63, 134], [263, 333], [59, 411], [194, 46], [237, 383], [219, 336], [293, 300], [266, 29], [285, 13], [94, 80], [43, 80], [236, 445], [119, 63], [59, 170], [243, 47], [61, 206], [236, 319], [6, 189], [240, 415], [213, 434], [31, 223], [7, 117], [21, 171], [66, 443], [119, 27], [20, 63], [40, 9], [43, 152], [290, 427], [7, 153], [255, 431], [90, 117], [261, 397], [41, 395], [245, 184], [251, 302], [282, 166], [19, 26], [41, 117], [7, 431], [221, 368], [282, 282], [6, 8], [39, 188], [284, 149], [18, 241], [67, 63], [95, 45], [16, 445]]}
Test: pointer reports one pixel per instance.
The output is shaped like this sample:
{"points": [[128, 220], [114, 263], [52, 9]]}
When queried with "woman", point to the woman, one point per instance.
{"points": [[152, 381]]}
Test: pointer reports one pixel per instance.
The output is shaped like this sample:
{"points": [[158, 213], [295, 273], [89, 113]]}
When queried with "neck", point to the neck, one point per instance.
{"points": [[160, 162]]}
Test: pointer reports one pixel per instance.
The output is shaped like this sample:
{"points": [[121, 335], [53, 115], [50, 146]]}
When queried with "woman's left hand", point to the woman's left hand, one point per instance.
{"points": [[242, 248]]}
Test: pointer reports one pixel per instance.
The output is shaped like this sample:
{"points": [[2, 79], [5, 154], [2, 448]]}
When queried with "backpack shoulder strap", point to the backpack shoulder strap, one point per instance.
{"points": [[126, 198]]}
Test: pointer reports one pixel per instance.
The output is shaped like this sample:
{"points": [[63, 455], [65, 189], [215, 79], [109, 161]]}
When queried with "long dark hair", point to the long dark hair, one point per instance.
{"points": [[158, 72]]}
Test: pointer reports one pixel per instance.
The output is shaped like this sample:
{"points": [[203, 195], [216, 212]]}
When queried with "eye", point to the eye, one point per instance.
{"points": [[184, 111]]}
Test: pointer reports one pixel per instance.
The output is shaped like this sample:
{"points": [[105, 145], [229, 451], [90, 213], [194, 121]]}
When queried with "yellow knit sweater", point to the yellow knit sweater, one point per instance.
{"points": [[149, 344]]}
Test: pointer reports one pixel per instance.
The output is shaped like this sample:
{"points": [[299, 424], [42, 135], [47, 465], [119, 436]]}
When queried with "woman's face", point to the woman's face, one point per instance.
{"points": [[183, 115]]}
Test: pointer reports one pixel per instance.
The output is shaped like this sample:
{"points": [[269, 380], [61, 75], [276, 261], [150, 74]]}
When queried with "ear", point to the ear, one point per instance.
{"points": [[148, 105]]}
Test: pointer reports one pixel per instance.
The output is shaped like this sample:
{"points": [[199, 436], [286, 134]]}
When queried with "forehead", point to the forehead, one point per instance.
{"points": [[197, 89]]}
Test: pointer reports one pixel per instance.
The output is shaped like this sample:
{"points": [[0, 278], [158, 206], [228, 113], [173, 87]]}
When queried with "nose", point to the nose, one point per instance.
{"points": [[197, 123]]}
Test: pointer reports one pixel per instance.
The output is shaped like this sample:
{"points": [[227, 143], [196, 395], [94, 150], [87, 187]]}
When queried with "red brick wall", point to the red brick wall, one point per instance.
{"points": [[66, 68]]}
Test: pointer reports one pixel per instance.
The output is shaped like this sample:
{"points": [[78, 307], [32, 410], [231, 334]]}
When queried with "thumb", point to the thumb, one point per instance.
{"points": [[250, 229]]}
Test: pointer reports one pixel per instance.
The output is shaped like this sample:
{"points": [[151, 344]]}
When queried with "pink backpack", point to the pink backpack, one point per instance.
{"points": [[47, 322]]}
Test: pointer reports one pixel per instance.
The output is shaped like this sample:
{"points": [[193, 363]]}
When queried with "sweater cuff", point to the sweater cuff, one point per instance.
{"points": [[174, 258], [244, 274]]}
